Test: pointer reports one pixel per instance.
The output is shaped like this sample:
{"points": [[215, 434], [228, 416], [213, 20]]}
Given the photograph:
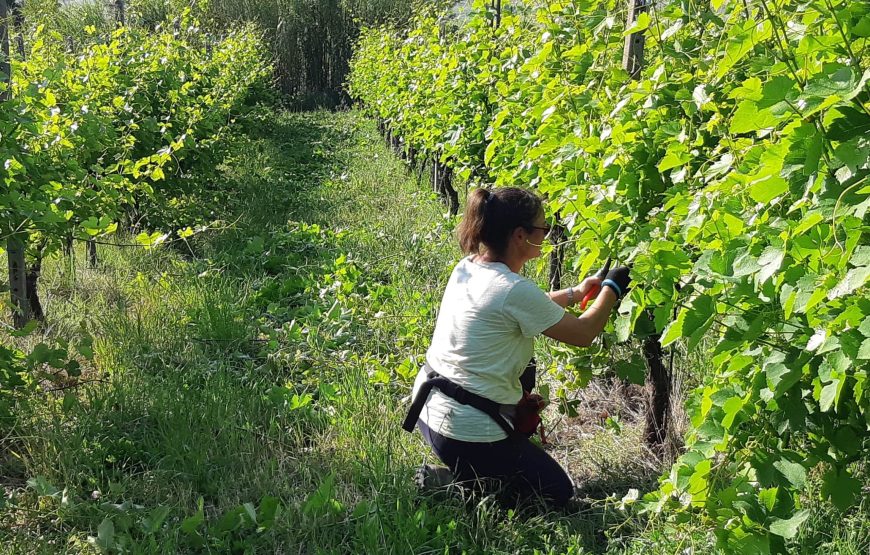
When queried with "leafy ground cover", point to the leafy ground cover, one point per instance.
{"points": [[241, 392]]}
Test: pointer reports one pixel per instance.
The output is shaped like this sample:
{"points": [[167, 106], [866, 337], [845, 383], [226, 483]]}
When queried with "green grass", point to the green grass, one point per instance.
{"points": [[267, 362]]}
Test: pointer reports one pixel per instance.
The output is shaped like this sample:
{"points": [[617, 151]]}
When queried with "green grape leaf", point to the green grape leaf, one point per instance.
{"points": [[829, 395], [862, 28], [623, 327], [750, 89], [841, 488], [770, 261], [776, 90], [673, 160], [846, 440], [837, 81], [641, 24], [732, 408], [674, 330], [780, 378], [489, 152], [853, 123], [817, 296], [794, 472], [745, 265], [851, 154], [855, 278], [73, 368], [633, 370], [788, 528], [748, 35], [749, 118], [861, 256], [699, 319], [807, 223], [766, 189], [767, 497], [95, 226]]}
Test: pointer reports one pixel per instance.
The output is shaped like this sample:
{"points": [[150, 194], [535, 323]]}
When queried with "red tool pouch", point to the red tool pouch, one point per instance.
{"points": [[528, 415]]}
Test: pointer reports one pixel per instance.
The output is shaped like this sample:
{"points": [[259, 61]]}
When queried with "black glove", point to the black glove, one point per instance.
{"points": [[619, 277]]}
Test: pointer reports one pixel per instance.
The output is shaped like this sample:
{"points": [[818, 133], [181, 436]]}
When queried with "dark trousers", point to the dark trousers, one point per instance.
{"points": [[520, 468]]}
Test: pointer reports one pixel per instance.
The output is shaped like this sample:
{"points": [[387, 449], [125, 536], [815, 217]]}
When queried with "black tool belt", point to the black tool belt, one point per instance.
{"points": [[458, 394]]}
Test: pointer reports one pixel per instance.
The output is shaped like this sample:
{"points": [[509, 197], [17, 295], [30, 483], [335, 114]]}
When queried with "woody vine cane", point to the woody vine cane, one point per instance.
{"points": [[659, 379]]}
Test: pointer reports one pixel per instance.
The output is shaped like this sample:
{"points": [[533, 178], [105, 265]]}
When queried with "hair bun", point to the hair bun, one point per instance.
{"points": [[491, 216]]}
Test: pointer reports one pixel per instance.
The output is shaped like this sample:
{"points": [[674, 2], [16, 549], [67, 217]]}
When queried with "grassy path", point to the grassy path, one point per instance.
{"points": [[244, 393], [263, 370]]}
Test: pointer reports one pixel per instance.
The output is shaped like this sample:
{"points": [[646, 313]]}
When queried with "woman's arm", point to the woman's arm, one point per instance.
{"points": [[563, 297], [582, 331], [573, 295]]}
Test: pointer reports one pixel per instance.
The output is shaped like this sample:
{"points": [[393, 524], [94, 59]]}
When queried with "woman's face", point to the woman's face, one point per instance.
{"points": [[536, 236]]}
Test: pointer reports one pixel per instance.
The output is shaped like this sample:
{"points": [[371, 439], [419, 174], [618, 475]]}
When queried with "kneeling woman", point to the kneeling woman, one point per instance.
{"points": [[484, 340]]}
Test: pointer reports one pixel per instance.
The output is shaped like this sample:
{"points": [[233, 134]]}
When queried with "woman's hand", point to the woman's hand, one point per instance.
{"points": [[589, 284]]}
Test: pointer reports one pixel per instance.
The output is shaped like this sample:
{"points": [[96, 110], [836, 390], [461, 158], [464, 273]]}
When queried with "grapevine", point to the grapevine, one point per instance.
{"points": [[91, 136], [731, 173]]}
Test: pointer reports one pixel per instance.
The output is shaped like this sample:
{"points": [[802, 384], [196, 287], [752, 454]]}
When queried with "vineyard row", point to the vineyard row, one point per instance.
{"points": [[722, 149]]}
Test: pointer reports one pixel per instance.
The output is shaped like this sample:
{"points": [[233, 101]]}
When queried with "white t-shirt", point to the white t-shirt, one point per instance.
{"points": [[483, 340]]}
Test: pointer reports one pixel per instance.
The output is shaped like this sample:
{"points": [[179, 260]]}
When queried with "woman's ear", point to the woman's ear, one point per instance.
{"points": [[520, 234]]}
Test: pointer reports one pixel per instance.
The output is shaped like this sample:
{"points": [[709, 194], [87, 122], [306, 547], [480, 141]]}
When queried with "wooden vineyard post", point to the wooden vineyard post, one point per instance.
{"points": [[15, 243], [442, 183], [658, 382], [557, 256], [17, 280], [658, 390], [18, 18], [92, 253], [120, 14], [632, 55], [434, 174], [421, 168], [411, 155], [31, 283], [447, 190]]}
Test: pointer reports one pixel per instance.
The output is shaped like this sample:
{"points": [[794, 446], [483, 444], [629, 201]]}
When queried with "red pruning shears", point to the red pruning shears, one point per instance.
{"points": [[595, 290]]}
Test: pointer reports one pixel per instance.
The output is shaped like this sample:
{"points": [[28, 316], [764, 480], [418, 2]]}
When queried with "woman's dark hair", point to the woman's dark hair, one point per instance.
{"points": [[491, 216]]}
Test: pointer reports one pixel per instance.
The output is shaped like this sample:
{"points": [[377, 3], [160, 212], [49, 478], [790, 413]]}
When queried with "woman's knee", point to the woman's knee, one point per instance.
{"points": [[561, 489], [547, 477]]}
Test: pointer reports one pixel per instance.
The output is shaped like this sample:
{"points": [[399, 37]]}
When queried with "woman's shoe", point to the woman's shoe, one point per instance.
{"points": [[429, 476]]}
